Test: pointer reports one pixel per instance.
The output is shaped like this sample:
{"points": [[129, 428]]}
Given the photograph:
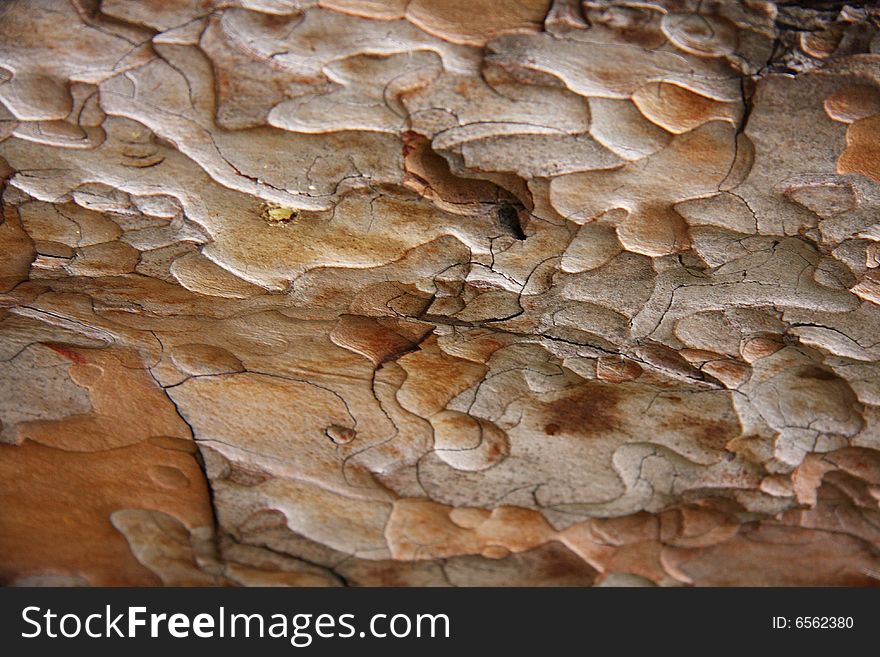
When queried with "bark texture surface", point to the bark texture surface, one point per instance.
{"points": [[428, 292]]}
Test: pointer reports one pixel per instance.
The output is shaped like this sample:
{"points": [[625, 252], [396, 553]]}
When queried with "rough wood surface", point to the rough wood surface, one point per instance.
{"points": [[429, 292]]}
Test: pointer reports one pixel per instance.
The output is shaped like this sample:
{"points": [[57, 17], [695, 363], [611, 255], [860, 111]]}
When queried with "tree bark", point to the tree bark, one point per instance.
{"points": [[425, 292]]}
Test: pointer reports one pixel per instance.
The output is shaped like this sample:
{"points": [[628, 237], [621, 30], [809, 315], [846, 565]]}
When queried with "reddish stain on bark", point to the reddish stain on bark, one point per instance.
{"points": [[68, 353], [585, 411]]}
